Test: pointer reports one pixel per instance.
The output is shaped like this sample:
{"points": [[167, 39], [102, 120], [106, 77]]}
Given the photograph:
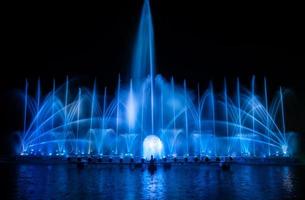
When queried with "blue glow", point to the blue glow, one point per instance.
{"points": [[151, 115], [152, 146], [131, 108]]}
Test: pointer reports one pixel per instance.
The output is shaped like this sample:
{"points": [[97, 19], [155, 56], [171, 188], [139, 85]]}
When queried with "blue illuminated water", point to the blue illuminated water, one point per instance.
{"points": [[89, 121], [30, 181]]}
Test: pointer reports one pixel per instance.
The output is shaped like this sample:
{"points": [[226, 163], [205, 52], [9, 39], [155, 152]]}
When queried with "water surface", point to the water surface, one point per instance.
{"points": [[66, 181]]}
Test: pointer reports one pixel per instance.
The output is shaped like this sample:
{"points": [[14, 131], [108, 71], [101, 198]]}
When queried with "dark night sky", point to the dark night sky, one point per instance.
{"points": [[195, 41]]}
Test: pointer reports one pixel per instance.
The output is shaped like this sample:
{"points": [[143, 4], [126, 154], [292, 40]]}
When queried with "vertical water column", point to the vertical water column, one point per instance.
{"points": [[174, 103], [53, 104], [144, 58], [267, 114], [186, 119], [131, 109], [91, 117], [25, 112], [226, 115], [151, 63], [174, 113], [38, 131], [284, 147], [117, 115], [213, 116], [253, 114], [199, 118], [152, 99], [239, 116], [78, 114], [131, 117], [65, 113], [38, 96], [53, 107], [162, 111], [104, 128], [142, 118]]}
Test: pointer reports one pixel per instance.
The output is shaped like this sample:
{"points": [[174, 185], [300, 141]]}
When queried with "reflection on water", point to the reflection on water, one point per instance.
{"points": [[30, 181]]}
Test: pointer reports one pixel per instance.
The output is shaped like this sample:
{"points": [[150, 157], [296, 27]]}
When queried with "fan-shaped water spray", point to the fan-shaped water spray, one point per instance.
{"points": [[82, 121]]}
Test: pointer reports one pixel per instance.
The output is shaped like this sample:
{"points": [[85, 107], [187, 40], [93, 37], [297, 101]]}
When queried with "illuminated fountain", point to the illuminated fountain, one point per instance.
{"points": [[150, 115]]}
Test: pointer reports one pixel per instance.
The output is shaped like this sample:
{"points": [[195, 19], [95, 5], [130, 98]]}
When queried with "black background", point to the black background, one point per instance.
{"points": [[194, 41]]}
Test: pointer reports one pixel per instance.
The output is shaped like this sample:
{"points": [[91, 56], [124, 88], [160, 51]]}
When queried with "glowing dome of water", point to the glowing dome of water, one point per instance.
{"points": [[152, 146], [73, 120]]}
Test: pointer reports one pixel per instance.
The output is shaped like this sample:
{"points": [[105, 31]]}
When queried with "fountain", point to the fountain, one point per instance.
{"points": [[153, 116]]}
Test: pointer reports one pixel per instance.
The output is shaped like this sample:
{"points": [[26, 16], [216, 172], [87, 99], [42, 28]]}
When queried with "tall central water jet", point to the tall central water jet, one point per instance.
{"points": [[143, 56], [143, 60]]}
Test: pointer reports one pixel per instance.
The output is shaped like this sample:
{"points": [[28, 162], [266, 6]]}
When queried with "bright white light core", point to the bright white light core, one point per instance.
{"points": [[152, 145]]}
